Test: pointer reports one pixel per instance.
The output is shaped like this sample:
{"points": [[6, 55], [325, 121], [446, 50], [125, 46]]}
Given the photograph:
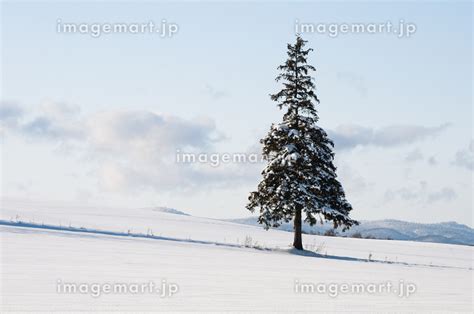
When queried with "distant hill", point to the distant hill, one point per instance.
{"points": [[444, 232], [168, 210]]}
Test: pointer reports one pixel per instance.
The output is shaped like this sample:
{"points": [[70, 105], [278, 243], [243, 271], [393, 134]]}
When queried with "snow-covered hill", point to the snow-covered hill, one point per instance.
{"points": [[444, 232], [218, 265]]}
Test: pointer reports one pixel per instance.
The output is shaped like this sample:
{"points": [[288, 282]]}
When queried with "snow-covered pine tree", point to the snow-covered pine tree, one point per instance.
{"points": [[300, 176]]}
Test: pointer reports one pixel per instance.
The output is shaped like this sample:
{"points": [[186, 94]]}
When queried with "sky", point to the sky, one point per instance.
{"points": [[98, 120]]}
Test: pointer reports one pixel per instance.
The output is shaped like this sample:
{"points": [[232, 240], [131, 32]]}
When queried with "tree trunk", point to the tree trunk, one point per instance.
{"points": [[297, 243]]}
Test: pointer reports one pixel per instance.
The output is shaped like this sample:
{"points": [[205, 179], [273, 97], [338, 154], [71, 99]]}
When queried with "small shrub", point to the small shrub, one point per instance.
{"points": [[330, 233], [248, 241]]}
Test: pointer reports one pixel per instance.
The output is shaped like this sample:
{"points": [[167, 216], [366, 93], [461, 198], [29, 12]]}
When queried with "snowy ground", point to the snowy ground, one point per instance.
{"points": [[214, 270]]}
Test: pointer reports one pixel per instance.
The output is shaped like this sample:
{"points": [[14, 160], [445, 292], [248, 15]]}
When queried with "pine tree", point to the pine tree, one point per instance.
{"points": [[300, 176]]}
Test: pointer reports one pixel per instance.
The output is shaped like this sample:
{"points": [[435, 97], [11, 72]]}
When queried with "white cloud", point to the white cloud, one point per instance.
{"points": [[445, 194], [146, 132], [134, 149], [59, 110], [50, 121], [432, 161], [10, 111], [414, 155], [10, 114], [420, 194], [465, 157], [350, 135]]}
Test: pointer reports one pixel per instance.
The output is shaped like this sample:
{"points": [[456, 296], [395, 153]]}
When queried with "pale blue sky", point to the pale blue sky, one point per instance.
{"points": [[215, 75]]}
